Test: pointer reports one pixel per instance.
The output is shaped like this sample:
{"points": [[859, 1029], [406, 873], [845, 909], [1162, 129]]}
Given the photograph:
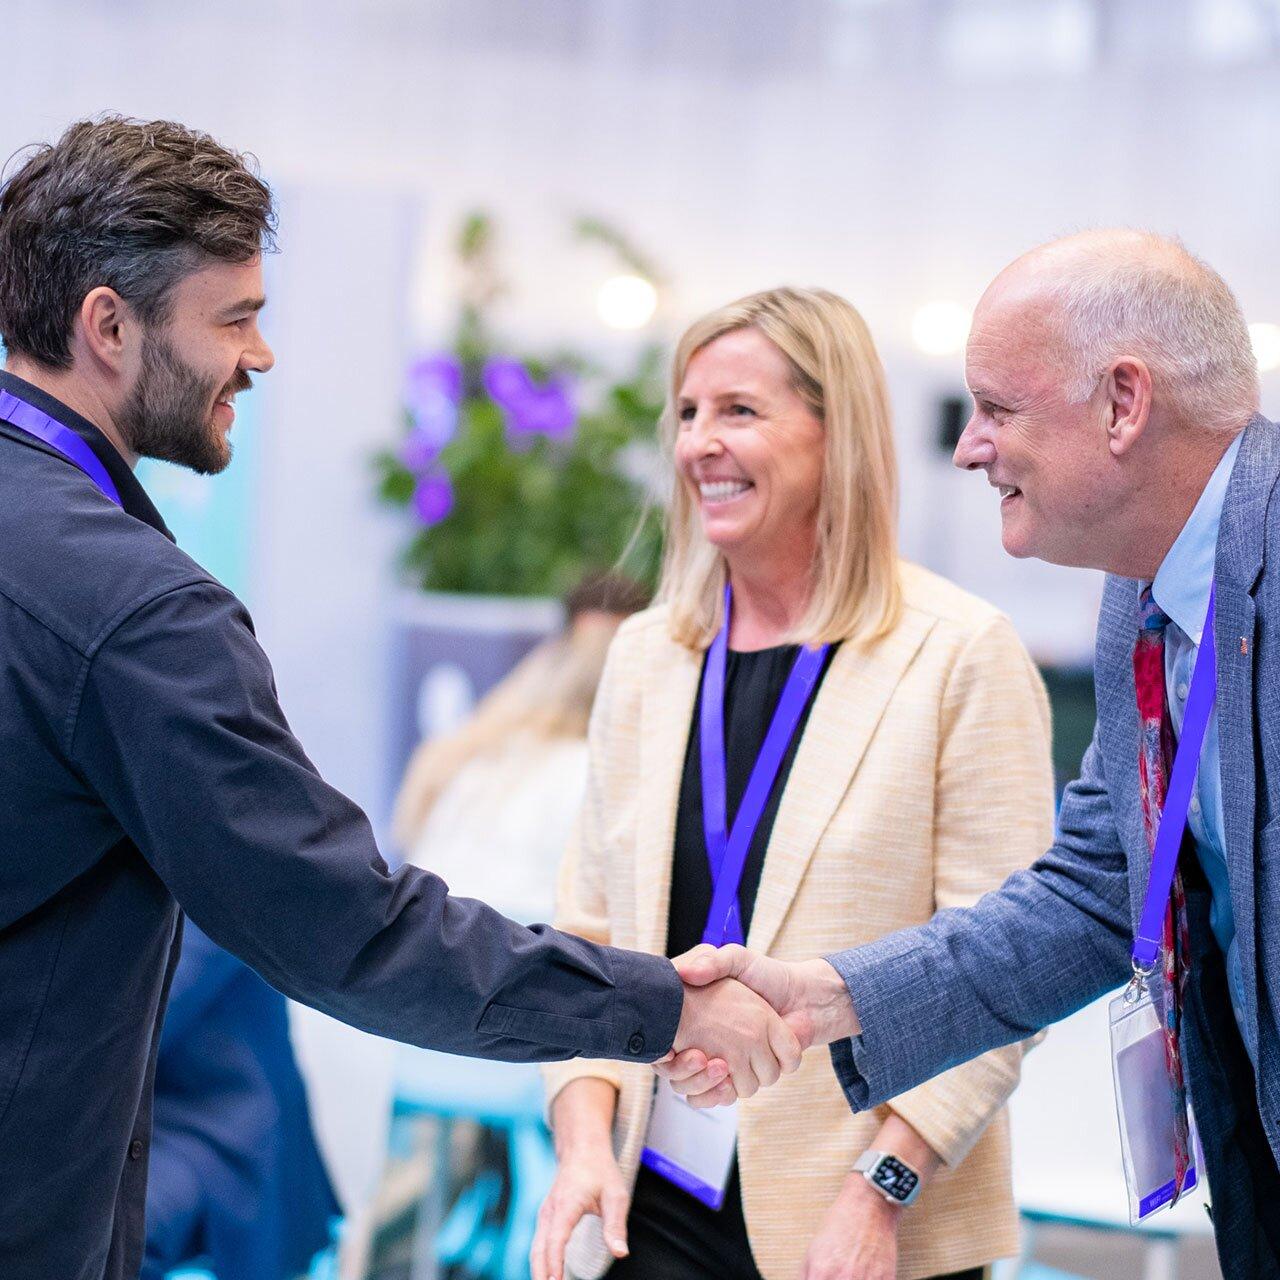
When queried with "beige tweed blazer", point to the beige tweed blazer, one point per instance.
{"points": [[922, 781]]}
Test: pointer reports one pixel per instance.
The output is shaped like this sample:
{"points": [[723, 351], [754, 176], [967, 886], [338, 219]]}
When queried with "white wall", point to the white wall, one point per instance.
{"points": [[892, 158], [742, 144]]}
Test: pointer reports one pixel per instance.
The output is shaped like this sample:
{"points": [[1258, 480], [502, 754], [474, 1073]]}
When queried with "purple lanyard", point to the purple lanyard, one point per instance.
{"points": [[1173, 817], [727, 850], [35, 422]]}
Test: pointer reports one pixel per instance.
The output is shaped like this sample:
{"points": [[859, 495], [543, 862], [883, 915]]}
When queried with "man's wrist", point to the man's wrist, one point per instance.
{"points": [[826, 999]]}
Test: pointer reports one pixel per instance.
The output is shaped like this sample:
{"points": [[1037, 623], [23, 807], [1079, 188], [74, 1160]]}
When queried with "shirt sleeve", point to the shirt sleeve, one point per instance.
{"points": [[179, 731], [582, 899]]}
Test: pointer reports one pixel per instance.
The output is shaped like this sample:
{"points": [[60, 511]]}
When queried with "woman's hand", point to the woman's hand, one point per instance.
{"points": [[858, 1238], [588, 1179]]}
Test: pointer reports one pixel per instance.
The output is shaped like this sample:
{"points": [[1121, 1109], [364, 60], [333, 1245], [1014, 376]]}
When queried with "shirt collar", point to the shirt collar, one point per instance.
{"points": [[1181, 585], [132, 495]]}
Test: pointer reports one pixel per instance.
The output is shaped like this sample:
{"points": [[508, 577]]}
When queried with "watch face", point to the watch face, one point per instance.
{"points": [[894, 1178]]}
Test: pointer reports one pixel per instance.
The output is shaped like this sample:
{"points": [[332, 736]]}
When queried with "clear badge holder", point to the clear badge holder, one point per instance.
{"points": [[1144, 1099], [692, 1148]]}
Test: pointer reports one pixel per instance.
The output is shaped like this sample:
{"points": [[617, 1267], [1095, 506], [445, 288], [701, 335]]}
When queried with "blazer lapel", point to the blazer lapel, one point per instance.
{"points": [[670, 689], [853, 696]]}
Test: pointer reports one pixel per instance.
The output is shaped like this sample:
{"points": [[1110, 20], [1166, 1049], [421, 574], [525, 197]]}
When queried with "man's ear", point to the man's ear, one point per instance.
{"points": [[1127, 406], [107, 327]]}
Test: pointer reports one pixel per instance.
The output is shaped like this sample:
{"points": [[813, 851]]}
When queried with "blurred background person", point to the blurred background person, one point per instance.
{"points": [[489, 808], [916, 777], [236, 1179]]}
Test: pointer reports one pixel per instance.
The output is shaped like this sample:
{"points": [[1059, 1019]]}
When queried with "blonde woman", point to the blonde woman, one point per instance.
{"points": [[913, 773]]}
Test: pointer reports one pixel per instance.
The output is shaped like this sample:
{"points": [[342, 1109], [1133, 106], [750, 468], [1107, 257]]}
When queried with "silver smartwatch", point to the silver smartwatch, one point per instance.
{"points": [[894, 1179]]}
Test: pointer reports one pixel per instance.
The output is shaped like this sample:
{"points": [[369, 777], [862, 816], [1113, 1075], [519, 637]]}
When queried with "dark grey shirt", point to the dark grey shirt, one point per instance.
{"points": [[145, 759]]}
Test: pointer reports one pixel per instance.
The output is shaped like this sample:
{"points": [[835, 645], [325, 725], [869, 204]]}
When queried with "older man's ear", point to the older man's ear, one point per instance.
{"points": [[1127, 387]]}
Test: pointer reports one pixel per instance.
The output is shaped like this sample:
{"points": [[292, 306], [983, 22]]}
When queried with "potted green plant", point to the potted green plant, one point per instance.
{"points": [[518, 475]]}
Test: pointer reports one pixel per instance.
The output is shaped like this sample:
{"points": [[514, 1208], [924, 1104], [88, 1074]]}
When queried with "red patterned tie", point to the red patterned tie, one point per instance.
{"points": [[1155, 758]]}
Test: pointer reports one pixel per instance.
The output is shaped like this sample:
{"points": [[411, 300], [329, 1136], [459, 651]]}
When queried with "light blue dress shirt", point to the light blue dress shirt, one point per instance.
{"points": [[1181, 589]]}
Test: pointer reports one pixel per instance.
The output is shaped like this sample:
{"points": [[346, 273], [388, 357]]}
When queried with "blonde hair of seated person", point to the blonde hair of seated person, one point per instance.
{"points": [[548, 694]]}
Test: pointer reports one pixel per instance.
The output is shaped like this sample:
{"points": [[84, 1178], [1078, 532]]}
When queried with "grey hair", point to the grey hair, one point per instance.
{"points": [[1135, 293]]}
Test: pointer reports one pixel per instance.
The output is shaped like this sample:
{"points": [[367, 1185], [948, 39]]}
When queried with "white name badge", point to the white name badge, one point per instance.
{"points": [[1144, 1104], [694, 1149]]}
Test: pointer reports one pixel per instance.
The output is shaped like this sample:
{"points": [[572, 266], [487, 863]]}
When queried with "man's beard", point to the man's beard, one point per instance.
{"points": [[169, 414]]}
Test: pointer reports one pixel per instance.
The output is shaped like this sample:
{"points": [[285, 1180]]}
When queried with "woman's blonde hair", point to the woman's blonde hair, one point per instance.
{"points": [[548, 694], [856, 595]]}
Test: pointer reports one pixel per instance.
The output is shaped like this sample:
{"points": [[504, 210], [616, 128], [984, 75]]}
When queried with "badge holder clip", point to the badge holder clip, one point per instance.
{"points": [[1144, 1102]]}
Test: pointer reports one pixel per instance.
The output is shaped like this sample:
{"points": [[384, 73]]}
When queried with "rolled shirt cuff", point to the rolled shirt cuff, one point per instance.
{"points": [[648, 1001]]}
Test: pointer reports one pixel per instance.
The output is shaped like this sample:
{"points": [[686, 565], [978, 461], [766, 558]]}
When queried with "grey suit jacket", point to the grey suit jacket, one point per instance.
{"points": [[1057, 935]]}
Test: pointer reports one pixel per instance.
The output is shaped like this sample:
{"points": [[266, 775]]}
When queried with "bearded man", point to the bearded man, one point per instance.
{"points": [[144, 759]]}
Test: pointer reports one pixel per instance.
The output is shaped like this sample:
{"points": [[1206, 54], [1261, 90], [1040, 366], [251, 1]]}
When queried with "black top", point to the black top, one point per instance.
{"points": [[752, 686], [144, 758], [753, 683]]}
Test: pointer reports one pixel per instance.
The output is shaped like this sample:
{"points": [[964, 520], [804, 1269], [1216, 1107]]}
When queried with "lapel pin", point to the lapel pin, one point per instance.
{"points": [[1244, 646]]}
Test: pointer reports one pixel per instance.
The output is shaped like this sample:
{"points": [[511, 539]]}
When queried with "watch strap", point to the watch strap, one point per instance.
{"points": [[867, 1164]]}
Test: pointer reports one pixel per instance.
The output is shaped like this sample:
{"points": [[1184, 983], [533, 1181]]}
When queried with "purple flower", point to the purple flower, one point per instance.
{"points": [[419, 450], [433, 390], [433, 498], [431, 377], [437, 423], [547, 410], [530, 409], [506, 381]]}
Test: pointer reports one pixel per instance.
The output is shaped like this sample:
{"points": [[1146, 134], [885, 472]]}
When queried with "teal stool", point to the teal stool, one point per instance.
{"points": [[472, 1232]]}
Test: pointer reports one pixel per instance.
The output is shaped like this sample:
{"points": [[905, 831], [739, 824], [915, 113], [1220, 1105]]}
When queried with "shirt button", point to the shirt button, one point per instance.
{"points": [[135, 1149], [1182, 691], [1195, 804], [635, 1046]]}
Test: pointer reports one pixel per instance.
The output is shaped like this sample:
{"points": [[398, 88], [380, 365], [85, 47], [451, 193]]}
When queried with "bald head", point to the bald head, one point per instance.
{"points": [[1109, 372], [1098, 296], [1100, 250]]}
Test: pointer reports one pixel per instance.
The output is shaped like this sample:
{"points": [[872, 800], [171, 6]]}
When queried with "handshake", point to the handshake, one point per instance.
{"points": [[747, 1019]]}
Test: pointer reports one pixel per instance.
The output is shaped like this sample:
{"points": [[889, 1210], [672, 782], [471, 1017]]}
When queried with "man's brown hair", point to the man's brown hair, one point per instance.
{"points": [[133, 205]]}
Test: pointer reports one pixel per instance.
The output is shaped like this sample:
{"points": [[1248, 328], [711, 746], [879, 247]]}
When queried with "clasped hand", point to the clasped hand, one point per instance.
{"points": [[747, 1019]]}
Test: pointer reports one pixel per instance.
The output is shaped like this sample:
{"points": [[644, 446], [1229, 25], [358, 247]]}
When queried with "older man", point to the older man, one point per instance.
{"points": [[1115, 409]]}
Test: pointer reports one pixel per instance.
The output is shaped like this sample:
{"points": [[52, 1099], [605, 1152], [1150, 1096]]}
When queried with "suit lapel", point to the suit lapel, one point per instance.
{"points": [[1237, 568], [850, 703], [670, 689], [1118, 730]]}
